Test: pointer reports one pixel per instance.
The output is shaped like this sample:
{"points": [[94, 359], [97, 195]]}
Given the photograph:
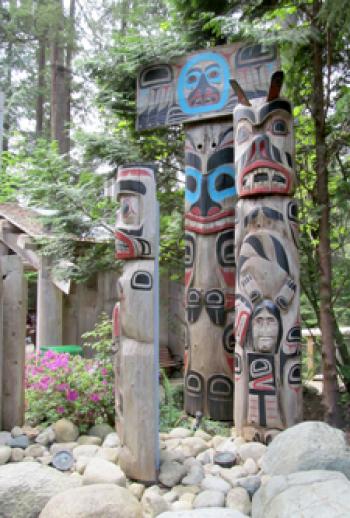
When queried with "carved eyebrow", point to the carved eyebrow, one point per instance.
{"points": [[224, 156], [279, 104], [193, 160], [244, 113], [132, 185]]}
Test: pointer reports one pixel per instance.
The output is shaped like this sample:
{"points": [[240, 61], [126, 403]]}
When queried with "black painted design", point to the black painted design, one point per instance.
{"points": [[215, 306], [220, 397], [262, 381], [194, 389], [256, 244], [132, 185], [225, 251], [228, 339], [238, 364], [141, 280], [190, 250], [294, 375], [281, 255], [194, 305]]}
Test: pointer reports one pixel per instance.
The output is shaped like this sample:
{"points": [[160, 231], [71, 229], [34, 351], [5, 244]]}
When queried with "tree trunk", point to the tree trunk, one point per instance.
{"points": [[330, 387], [59, 131], [8, 93], [40, 99]]}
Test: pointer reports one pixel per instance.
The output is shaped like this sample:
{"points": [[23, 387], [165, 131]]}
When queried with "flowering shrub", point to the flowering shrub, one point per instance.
{"points": [[59, 385]]}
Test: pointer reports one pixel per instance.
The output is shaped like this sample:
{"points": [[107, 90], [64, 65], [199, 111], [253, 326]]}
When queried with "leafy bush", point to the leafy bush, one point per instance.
{"points": [[59, 385]]}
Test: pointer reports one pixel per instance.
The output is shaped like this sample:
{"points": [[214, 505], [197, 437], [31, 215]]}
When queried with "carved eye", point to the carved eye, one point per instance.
{"points": [[279, 127], [191, 183], [242, 134]]}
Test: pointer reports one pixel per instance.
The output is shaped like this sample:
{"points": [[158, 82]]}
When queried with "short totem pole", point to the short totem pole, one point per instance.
{"points": [[268, 392], [136, 322]]}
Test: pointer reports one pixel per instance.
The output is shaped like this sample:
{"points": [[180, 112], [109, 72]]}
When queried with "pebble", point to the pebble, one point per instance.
{"points": [[110, 454], [100, 471], [65, 430], [4, 438], [215, 484], [111, 440], [209, 498], [62, 446], [233, 474], [137, 490], [101, 430], [180, 433], [251, 450], [46, 437], [153, 503], [206, 456], [169, 455], [238, 499], [35, 450], [171, 472], [89, 439], [17, 454], [180, 490], [192, 446], [5, 454], [181, 506], [250, 483], [195, 475], [21, 441], [17, 431], [251, 467], [203, 435], [85, 450]]}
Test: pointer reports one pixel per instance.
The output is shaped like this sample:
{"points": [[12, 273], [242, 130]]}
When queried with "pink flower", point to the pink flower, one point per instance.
{"points": [[104, 382], [60, 410], [95, 397], [72, 395], [104, 371], [62, 387]]}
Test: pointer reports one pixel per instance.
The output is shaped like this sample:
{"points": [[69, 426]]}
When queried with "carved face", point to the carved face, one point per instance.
{"points": [[264, 148], [203, 84], [136, 216], [265, 332], [210, 184]]}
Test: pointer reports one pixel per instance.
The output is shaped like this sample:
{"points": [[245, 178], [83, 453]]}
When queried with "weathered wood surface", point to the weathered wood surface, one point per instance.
{"points": [[267, 321], [14, 330], [135, 324], [210, 269], [49, 308]]}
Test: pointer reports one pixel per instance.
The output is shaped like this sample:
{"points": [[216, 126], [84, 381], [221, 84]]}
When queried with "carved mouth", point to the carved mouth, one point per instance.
{"points": [[204, 99], [265, 176]]}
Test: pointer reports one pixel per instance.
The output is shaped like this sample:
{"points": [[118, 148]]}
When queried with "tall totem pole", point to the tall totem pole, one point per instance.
{"points": [[195, 90], [135, 322], [268, 392]]}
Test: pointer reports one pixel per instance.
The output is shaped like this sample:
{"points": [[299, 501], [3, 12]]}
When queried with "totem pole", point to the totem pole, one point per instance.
{"points": [[135, 322], [268, 392], [195, 90]]}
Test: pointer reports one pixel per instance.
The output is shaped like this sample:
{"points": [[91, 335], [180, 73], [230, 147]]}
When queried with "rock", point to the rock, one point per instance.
{"points": [[170, 497], [46, 437], [101, 430], [203, 435], [192, 446], [250, 483], [217, 440], [213, 512], [110, 454], [311, 445], [81, 464], [17, 454], [206, 456], [180, 433], [17, 431], [209, 498], [35, 450], [153, 503], [62, 446], [195, 475], [4, 438], [136, 490], [238, 499], [238, 441], [227, 445], [180, 490], [65, 430], [47, 460], [251, 450], [88, 440], [250, 466], [187, 497], [88, 450], [26, 487], [231, 475], [21, 441], [171, 472], [181, 505], [5, 454], [169, 455], [30, 432], [171, 444], [104, 501], [215, 484], [100, 471], [310, 494], [111, 440]]}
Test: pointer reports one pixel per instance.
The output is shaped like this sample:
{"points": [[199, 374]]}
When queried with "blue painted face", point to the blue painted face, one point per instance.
{"points": [[203, 84], [208, 192]]}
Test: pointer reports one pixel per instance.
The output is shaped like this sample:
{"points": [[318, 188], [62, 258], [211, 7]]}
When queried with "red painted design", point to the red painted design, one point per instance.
{"points": [[229, 277], [214, 216], [263, 383], [130, 252], [203, 230], [133, 172], [116, 325]]}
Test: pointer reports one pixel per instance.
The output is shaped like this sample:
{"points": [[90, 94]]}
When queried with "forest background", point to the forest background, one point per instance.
{"points": [[68, 71]]}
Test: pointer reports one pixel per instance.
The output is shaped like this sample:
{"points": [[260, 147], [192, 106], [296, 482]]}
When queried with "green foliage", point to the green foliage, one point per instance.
{"points": [[60, 385], [100, 339], [171, 409]]}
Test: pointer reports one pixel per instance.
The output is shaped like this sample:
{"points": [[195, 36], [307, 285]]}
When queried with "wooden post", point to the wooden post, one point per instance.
{"points": [[49, 308], [14, 332]]}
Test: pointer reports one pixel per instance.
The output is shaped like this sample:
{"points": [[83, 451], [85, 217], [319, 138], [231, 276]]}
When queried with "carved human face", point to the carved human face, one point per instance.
{"points": [[264, 148], [265, 332]]}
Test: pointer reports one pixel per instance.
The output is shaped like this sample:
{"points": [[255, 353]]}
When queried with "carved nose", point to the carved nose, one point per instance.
{"points": [[260, 149], [203, 83], [205, 206]]}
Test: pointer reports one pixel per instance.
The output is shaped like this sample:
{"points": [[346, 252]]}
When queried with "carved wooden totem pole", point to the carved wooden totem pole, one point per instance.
{"points": [[136, 322], [268, 392], [195, 90]]}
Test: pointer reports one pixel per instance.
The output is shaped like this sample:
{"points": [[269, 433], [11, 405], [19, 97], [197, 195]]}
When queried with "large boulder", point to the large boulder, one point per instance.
{"points": [[65, 430], [212, 512], [311, 445], [102, 500], [324, 494], [26, 487]]}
